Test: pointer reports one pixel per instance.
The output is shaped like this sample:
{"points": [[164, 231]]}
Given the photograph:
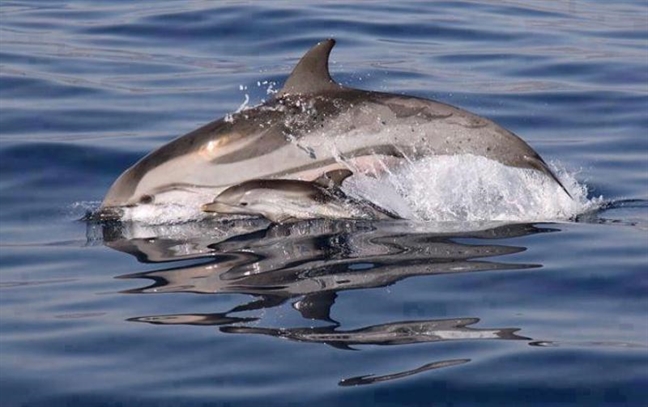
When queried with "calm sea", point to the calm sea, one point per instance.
{"points": [[319, 313]]}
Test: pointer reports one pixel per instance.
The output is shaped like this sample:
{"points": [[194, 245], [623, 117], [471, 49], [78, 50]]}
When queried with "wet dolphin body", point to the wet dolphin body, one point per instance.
{"points": [[312, 126], [282, 200]]}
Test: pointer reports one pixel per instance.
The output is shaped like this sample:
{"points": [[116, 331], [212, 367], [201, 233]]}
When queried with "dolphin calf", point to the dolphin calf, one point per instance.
{"points": [[282, 200], [312, 126]]}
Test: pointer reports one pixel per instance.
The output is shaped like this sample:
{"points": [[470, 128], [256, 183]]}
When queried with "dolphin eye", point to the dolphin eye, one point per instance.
{"points": [[244, 204], [146, 199]]}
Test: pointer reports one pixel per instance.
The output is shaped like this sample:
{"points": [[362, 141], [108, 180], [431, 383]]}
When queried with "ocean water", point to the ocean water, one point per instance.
{"points": [[477, 300]]}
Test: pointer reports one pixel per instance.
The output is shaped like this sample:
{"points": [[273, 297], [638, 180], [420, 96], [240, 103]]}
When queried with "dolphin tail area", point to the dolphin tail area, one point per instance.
{"points": [[539, 164]]}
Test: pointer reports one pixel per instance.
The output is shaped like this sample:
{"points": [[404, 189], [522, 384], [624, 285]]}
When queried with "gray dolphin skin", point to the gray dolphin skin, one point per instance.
{"points": [[281, 200], [310, 127]]}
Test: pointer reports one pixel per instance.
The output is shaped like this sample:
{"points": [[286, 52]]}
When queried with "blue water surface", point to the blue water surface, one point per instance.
{"points": [[318, 313]]}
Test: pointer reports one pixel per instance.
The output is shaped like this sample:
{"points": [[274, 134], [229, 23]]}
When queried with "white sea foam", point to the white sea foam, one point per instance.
{"points": [[473, 188]]}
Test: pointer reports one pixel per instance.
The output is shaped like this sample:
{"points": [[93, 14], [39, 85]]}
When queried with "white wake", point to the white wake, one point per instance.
{"points": [[468, 188]]}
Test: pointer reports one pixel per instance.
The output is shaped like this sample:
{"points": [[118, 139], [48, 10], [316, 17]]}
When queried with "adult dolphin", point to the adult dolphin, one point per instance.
{"points": [[312, 126]]}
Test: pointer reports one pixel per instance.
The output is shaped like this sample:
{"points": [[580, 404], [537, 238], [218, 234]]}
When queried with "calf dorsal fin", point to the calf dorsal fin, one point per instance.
{"points": [[333, 178]]}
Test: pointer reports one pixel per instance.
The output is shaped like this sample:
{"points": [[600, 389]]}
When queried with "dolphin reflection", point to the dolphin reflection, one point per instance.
{"points": [[396, 333], [280, 263], [309, 263], [370, 379]]}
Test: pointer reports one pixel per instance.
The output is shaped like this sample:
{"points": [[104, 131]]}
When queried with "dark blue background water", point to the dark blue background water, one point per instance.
{"points": [[556, 314]]}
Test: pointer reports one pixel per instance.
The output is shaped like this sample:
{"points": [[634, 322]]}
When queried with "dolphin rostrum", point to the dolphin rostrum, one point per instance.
{"points": [[281, 200], [312, 126]]}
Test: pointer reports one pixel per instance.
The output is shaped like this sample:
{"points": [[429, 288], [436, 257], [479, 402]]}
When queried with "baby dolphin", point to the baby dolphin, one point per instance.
{"points": [[281, 200]]}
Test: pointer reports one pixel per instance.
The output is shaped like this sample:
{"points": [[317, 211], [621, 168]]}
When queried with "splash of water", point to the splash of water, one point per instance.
{"points": [[471, 188]]}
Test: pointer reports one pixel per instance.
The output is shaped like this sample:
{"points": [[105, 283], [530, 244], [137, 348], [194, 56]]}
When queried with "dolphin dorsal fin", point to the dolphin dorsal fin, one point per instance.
{"points": [[333, 178], [311, 75]]}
